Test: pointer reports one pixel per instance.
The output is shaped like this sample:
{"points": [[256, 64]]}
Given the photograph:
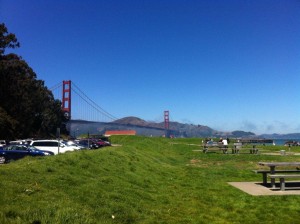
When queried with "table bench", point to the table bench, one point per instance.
{"points": [[274, 171], [238, 146], [207, 148], [235, 150], [266, 172], [282, 178]]}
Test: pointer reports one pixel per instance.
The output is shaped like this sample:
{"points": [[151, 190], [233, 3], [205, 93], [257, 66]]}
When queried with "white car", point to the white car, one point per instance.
{"points": [[73, 144], [2, 142], [54, 146]]}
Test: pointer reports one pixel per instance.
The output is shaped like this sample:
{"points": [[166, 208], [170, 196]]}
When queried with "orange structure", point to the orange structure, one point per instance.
{"points": [[66, 99], [120, 132], [166, 115]]}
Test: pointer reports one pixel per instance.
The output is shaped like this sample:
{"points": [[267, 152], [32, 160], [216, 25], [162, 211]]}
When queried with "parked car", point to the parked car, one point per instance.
{"points": [[17, 142], [102, 143], [74, 144], [2, 142], [88, 144], [20, 142], [292, 143], [14, 152], [54, 146]]}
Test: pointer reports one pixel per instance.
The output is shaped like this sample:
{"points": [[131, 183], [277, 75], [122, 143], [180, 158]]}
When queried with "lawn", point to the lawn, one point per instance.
{"points": [[143, 180]]}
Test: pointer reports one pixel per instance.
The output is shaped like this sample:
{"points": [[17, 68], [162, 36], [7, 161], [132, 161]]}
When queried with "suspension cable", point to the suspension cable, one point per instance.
{"points": [[55, 87], [84, 97]]}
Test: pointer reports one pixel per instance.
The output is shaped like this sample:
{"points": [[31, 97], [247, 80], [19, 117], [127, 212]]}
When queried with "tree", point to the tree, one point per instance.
{"points": [[7, 40], [7, 125], [27, 107]]}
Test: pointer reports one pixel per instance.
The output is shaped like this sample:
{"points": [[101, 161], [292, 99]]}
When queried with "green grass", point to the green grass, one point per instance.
{"points": [[145, 180]]}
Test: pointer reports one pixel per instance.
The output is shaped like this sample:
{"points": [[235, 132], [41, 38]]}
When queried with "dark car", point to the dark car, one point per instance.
{"points": [[102, 143], [14, 152], [88, 144], [292, 143]]}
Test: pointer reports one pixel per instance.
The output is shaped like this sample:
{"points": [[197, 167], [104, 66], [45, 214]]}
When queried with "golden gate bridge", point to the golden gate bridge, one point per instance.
{"points": [[77, 106]]}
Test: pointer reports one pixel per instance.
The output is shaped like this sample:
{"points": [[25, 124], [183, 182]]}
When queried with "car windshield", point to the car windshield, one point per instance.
{"points": [[34, 149], [10, 147], [70, 143]]}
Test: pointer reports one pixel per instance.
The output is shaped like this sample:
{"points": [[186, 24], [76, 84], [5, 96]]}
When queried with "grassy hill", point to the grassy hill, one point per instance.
{"points": [[144, 180]]}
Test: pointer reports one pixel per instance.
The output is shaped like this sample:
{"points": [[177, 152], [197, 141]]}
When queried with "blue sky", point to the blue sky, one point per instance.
{"points": [[228, 64]]}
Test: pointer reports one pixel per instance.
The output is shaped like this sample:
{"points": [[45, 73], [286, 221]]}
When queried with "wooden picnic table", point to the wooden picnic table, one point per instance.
{"points": [[217, 146], [274, 165], [236, 148]]}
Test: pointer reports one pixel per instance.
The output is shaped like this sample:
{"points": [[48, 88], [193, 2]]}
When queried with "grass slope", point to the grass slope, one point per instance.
{"points": [[145, 180]]}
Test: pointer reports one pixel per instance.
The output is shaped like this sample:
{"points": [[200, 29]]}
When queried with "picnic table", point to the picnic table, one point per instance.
{"points": [[274, 173], [239, 146], [236, 148], [215, 146]]}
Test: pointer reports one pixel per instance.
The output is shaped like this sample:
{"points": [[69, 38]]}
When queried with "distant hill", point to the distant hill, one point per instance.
{"points": [[240, 134], [281, 136], [180, 129], [131, 121], [177, 129]]}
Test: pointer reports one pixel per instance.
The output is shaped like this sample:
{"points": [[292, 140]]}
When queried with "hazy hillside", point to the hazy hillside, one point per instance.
{"points": [[147, 128], [282, 136], [177, 129], [132, 121], [185, 130]]}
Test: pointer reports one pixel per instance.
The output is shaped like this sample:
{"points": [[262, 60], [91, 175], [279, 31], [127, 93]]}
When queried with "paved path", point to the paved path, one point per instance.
{"points": [[257, 189]]}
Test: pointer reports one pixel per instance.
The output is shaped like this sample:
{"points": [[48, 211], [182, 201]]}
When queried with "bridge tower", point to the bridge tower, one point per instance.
{"points": [[166, 116], [66, 99]]}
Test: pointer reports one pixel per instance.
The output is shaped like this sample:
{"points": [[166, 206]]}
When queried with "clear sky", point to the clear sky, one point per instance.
{"points": [[228, 64]]}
